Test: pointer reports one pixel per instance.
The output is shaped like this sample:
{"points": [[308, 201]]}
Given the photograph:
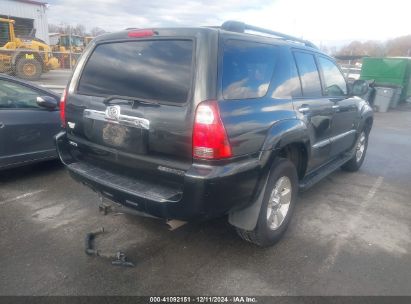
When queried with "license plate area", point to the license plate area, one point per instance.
{"points": [[123, 132]]}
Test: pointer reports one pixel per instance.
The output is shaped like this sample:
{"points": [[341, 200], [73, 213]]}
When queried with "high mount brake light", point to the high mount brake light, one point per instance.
{"points": [[210, 139], [140, 33], [63, 108]]}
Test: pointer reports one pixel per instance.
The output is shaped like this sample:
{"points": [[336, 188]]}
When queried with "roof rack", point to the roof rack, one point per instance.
{"points": [[241, 27]]}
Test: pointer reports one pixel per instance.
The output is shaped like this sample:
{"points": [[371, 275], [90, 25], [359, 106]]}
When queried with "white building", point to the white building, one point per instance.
{"points": [[28, 15]]}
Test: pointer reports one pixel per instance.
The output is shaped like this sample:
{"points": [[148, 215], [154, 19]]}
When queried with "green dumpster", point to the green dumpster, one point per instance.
{"points": [[391, 72]]}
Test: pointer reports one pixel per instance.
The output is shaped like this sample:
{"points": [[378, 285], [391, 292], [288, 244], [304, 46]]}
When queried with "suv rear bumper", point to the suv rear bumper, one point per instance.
{"points": [[207, 191]]}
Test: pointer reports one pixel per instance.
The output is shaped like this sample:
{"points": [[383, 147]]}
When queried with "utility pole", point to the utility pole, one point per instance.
{"points": [[70, 45]]}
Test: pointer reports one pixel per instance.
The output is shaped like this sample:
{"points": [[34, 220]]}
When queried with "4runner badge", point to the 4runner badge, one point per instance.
{"points": [[113, 112]]}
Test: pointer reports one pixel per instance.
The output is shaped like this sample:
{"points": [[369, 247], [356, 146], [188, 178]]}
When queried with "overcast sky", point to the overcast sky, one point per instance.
{"points": [[330, 22]]}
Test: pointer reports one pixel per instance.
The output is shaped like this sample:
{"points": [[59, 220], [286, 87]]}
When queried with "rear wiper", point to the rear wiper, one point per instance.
{"points": [[131, 100]]}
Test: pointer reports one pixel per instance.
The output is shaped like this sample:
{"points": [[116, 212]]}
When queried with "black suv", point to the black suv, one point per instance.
{"points": [[195, 123]]}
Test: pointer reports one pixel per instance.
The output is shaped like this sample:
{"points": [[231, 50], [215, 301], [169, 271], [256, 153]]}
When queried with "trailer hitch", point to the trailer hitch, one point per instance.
{"points": [[118, 258]]}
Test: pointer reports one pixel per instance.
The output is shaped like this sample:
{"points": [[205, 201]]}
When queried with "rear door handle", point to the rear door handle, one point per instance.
{"points": [[1, 125], [303, 109]]}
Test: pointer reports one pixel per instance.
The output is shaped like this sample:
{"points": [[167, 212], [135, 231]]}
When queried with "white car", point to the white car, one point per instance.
{"points": [[351, 74]]}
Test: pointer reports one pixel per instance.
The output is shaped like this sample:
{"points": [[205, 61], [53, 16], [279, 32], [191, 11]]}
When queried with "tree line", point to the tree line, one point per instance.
{"points": [[77, 29], [400, 46]]}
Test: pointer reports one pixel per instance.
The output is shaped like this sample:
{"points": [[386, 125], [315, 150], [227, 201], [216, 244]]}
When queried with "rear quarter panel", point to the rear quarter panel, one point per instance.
{"points": [[248, 121]]}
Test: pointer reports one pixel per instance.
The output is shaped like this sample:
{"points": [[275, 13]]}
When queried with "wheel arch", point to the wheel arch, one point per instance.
{"points": [[368, 123], [283, 137], [367, 119]]}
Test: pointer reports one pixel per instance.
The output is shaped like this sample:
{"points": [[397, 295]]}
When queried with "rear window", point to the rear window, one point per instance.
{"points": [[156, 70], [247, 69]]}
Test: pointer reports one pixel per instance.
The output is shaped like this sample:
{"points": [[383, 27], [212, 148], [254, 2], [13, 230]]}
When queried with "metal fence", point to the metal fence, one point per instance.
{"points": [[66, 60]]}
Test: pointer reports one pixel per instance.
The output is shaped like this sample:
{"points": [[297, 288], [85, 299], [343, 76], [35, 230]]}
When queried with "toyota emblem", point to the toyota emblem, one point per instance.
{"points": [[113, 112]]}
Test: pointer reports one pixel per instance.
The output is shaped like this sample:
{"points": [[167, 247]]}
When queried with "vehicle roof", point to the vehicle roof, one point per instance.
{"points": [[192, 31]]}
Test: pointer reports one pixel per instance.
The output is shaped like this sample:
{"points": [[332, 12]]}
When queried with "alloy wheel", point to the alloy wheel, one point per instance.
{"points": [[279, 203]]}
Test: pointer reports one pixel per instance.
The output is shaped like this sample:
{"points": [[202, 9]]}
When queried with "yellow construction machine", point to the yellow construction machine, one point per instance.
{"points": [[27, 57], [67, 47]]}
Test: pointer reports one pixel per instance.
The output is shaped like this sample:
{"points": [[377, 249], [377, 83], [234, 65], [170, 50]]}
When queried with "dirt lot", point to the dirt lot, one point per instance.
{"points": [[350, 236]]}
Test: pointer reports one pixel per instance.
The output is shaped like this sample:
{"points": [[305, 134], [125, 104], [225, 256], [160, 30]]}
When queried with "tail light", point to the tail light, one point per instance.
{"points": [[210, 139], [63, 108]]}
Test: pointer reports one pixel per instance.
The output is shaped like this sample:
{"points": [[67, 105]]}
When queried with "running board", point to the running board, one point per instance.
{"points": [[322, 172]]}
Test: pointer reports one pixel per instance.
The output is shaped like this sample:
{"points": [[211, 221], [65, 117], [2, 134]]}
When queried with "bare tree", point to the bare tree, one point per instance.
{"points": [[96, 31], [77, 29], [53, 28], [400, 46], [324, 49], [374, 48]]}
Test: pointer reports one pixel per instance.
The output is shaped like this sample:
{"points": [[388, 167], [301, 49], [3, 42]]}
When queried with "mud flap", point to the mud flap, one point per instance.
{"points": [[247, 218]]}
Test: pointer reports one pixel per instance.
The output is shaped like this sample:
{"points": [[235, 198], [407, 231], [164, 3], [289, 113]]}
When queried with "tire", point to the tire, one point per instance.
{"points": [[356, 161], [30, 69], [268, 231]]}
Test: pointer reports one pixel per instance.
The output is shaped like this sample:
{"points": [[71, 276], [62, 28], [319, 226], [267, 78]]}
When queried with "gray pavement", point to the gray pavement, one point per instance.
{"points": [[55, 80], [350, 235]]}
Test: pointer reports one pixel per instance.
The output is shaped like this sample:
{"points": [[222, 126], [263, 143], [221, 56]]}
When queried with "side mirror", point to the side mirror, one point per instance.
{"points": [[47, 102], [359, 88]]}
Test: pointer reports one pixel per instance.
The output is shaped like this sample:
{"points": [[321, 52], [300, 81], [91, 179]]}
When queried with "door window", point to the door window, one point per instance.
{"points": [[14, 95], [310, 78], [4, 33], [334, 81]]}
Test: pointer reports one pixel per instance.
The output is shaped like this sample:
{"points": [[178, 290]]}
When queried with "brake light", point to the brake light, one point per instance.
{"points": [[140, 33], [63, 108], [210, 139]]}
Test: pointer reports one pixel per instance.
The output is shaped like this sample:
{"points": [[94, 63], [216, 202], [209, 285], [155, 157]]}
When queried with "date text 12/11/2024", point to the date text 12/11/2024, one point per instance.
{"points": [[203, 299]]}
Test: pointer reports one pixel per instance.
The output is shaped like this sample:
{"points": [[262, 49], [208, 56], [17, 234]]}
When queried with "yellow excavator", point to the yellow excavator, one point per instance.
{"points": [[66, 47], [26, 57]]}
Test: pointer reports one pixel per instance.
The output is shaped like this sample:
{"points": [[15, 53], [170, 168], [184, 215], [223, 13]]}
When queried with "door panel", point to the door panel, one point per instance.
{"points": [[317, 115], [343, 126], [314, 109], [345, 109], [27, 129]]}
